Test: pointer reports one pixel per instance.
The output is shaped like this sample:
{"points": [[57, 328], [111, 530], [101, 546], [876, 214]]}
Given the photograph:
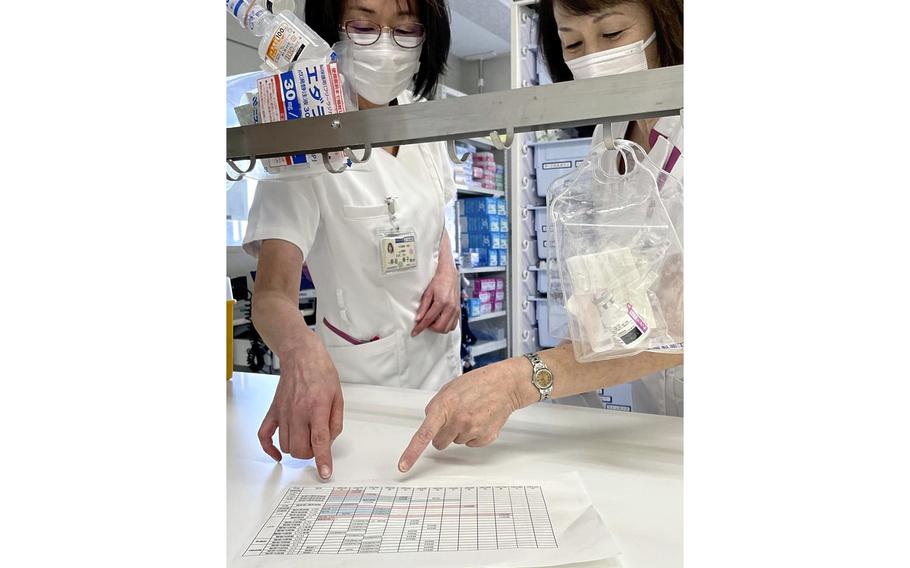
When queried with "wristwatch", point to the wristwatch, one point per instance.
{"points": [[542, 376]]}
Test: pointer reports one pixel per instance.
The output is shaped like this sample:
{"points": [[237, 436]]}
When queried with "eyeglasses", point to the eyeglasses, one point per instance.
{"points": [[365, 32]]}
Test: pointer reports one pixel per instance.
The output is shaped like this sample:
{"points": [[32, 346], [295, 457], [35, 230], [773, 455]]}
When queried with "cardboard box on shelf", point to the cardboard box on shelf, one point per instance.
{"points": [[479, 241], [484, 285], [470, 258], [481, 223], [474, 206]]}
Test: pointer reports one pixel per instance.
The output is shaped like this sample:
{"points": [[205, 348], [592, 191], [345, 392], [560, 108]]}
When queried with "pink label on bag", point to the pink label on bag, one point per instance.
{"points": [[637, 319]]}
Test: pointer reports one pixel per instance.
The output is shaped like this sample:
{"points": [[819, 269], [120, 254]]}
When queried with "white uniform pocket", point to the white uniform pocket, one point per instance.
{"points": [[373, 363]]}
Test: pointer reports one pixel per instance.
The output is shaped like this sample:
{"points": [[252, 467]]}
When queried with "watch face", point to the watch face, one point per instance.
{"points": [[543, 379]]}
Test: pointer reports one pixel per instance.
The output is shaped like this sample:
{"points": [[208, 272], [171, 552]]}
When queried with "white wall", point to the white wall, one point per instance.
{"points": [[497, 75], [454, 72], [241, 49]]}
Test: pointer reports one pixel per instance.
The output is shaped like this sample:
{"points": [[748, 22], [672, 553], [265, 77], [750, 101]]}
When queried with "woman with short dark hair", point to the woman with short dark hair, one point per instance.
{"points": [[373, 238]]}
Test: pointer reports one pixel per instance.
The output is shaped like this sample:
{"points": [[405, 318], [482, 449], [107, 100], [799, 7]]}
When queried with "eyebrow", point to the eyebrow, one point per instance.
{"points": [[366, 10], [597, 19]]}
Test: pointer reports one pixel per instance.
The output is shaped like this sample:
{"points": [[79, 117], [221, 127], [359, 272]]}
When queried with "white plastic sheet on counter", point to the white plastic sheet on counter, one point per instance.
{"points": [[510, 523]]}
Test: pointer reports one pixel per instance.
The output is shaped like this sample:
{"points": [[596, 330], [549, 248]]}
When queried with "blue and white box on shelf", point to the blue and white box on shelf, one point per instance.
{"points": [[474, 206]]}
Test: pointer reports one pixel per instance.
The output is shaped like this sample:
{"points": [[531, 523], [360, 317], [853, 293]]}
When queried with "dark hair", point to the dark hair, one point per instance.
{"points": [[324, 16], [668, 23]]}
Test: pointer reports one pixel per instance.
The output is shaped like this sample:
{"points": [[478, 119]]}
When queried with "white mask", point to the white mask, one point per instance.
{"points": [[623, 59], [382, 71]]}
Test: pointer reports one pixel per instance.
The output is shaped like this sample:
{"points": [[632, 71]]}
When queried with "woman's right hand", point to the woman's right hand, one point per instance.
{"points": [[307, 409]]}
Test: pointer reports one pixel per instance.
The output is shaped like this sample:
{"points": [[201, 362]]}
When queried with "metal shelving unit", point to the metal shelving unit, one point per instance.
{"points": [[472, 192], [483, 269], [484, 347], [486, 144], [630, 96], [524, 109], [491, 315]]}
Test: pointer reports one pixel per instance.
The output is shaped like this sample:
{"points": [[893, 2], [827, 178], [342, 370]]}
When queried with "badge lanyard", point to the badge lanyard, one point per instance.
{"points": [[397, 245]]}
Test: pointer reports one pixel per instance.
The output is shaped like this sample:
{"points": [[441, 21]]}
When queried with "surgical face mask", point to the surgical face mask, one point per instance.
{"points": [[624, 59], [383, 70]]}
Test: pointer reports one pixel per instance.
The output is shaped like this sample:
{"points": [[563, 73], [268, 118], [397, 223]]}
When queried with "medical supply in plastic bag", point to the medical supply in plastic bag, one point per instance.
{"points": [[249, 13], [285, 37], [671, 192], [311, 87], [618, 264]]}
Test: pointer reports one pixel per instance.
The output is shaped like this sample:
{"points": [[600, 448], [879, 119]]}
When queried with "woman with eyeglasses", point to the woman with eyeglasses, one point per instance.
{"points": [[373, 238], [579, 39]]}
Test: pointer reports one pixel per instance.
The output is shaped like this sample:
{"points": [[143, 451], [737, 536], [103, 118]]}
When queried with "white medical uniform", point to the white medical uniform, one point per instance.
{"points": [[661, 392], [333, 219]]}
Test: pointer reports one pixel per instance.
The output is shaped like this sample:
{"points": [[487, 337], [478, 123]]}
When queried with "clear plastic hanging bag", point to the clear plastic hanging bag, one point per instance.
{"points": [[618, 265]]}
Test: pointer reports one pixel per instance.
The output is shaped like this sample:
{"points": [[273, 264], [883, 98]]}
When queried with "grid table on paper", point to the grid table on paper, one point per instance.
{"points": [[374, 519]]}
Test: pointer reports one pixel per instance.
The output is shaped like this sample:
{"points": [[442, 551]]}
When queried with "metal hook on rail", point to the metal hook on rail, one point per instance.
{"points": [[240, 173], [238, 170], [328, 164], [367, 152], [606, 130], [453, 154], [499, 143]]}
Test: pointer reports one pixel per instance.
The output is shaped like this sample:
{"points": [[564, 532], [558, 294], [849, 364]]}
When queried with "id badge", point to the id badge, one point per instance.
{"points": [[397, 250]]}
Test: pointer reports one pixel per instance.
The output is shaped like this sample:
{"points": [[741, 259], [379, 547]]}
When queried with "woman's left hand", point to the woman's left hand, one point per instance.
{"points": [[440, 305], [470, 410]]}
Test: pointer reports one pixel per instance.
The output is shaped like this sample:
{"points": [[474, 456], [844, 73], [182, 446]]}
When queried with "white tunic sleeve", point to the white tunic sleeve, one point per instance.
{"points": [[443, 166], [286, 210]]}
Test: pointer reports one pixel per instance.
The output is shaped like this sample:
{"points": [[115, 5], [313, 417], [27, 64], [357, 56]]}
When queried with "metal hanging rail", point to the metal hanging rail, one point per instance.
{"points": [[629, 96]]}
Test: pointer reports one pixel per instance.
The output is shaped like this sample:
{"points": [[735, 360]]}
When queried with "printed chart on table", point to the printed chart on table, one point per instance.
{"points": [[389, 519]]}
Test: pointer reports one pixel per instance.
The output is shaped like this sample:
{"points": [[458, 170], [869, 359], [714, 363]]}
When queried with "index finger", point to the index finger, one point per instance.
{"points": [[321, 442], [434, 421]]}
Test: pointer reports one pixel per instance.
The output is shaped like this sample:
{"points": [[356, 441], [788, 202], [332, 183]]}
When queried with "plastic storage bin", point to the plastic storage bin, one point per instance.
{"points": [[544, 311], [617, 398], [558, 158], [542, 274], [541, 226]]}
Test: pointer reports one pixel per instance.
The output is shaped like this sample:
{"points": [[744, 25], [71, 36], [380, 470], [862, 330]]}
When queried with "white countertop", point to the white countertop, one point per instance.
{"points": [[631, 464]]}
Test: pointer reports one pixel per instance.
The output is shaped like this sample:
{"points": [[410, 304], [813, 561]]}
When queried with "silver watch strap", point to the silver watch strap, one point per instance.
{"points": [[537, 364]]}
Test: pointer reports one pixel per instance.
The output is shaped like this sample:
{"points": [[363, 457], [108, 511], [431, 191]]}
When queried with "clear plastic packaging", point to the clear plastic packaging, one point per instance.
{"points": [[287, 39], [618, 263], [312, 87], [252, 15]]}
